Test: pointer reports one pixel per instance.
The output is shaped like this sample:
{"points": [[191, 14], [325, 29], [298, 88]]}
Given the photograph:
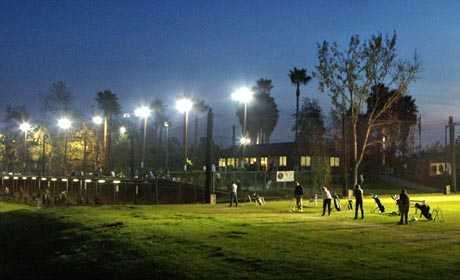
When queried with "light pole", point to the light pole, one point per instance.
{"points": [[184, 105], [65, 124], [143, 112], [244, 96], [25, 127], [166, 125]]}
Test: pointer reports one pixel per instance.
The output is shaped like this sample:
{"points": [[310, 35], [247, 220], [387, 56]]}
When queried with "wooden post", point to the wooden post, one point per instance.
{"points": [[452, 154]]}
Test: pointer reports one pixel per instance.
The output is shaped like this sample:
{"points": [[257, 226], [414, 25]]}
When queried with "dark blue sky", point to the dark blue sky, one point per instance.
{"points": [[147, 49]]}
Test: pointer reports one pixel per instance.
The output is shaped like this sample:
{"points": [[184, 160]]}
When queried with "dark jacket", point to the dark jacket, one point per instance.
{"points": [[358, 194], [298, 190], [404, 199]]}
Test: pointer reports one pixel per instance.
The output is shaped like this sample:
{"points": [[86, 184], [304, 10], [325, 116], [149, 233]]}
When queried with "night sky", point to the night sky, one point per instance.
{"points": [[147, 49]]}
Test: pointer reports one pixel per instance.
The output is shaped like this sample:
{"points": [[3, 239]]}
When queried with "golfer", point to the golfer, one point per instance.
{"points": [[358, 194], [403, 204], [327, 198], [298, 193], [233, 194]]}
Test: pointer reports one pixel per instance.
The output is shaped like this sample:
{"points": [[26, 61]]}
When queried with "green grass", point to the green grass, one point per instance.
{"points": [[217, 242]]}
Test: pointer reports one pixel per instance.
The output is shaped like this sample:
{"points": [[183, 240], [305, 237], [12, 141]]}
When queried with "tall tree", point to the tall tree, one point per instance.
{"points": [[108, 103], [14, 115], [298, 77], [311, 126], [262, 113], [263, 86], [59, 99], [349, 75], [396, 123], [199, 107], [159, 117]]}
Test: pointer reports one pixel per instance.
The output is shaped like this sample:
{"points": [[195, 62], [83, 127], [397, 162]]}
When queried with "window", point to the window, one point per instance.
{"points": [[222, 162], [335, 161], [305, 161], [252, 160], [231, 162], [282, 161], [263, 162]]}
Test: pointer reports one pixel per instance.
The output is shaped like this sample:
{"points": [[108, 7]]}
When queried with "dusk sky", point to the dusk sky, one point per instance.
{"points": [[146, 49]]}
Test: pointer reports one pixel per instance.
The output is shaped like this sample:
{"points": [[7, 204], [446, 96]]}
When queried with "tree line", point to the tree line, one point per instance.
{"points": [[367, 83]]}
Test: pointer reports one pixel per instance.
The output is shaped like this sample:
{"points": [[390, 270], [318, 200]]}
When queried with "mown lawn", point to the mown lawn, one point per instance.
{"points": [[217, 242]]}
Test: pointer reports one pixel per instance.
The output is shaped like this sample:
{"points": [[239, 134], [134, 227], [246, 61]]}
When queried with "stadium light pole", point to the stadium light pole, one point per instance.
{"points": [[65, 124], [25, 127], [166, 126], [184, 105], [143, 112], [244, 95]]}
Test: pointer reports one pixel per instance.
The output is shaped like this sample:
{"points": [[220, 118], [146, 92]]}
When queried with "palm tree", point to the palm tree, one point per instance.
{"points": [[199, 107], [159, 117], [298, 77], [108, 103], [262, 114], [263, 86]]}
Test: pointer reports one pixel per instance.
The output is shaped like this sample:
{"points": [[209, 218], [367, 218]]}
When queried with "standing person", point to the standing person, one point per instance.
{"points": [[358, 194], [298, 193], [403, 203], [233, 194], [327, 198]]}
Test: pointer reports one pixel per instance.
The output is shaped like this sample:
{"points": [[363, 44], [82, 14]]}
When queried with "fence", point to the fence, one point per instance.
{"points": [[254, 181], [48, 191]]}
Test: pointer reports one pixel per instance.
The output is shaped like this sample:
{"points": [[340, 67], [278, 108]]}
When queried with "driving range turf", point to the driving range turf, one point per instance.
{"points": [[218, 242]]}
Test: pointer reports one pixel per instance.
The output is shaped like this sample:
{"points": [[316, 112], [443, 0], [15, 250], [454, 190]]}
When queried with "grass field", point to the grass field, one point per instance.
{"points": [[217, 242]]}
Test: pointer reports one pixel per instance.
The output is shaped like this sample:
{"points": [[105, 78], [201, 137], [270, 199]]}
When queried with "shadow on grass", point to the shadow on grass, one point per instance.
{"points": [[40, 245]]}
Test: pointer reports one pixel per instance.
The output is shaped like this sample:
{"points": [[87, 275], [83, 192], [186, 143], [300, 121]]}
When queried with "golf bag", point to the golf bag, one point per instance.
{"points": [[337, 203], [379, 204], [424, 210]]}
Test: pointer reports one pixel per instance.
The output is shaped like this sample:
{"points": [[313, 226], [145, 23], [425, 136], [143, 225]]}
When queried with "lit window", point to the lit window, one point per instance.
{"points": [[282, 161], [231, 162], [252, 160], [263, 162], [305, 161], [222, 162], [335, 161]]}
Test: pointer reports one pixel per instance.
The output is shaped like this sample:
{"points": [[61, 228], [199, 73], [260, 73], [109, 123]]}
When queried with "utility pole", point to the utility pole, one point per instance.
{"points": [[185, 141], [43, 154], [85, 149], [420, 133], [234, 151], [452, 153], [209, 188], [106, 148], [166, 125], [344, 156], [131, 155]]}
